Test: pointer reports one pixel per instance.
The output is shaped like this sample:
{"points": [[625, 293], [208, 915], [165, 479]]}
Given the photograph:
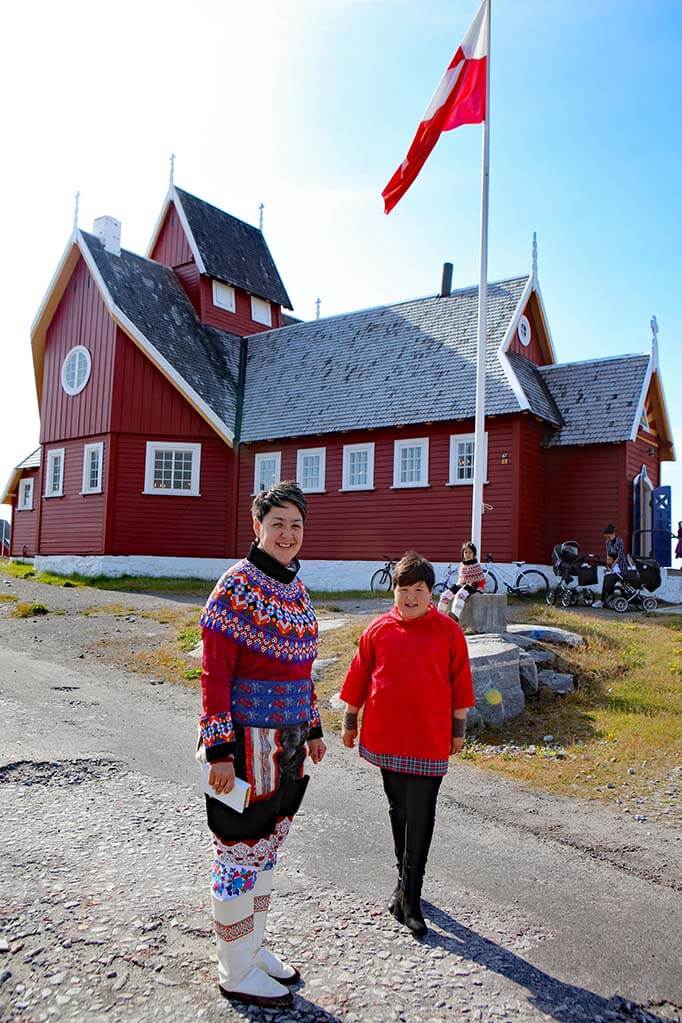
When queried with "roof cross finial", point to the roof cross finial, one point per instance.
{"points": [[535, 254], [260, 216], [318, 302], [76, 207], [654, 340], [171, 176]]}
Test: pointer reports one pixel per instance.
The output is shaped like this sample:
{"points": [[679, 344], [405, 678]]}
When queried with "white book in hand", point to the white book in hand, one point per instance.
{"points": [[238, 798]]}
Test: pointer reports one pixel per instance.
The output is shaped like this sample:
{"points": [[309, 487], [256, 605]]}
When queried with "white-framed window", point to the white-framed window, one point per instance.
{"points": [[261, 311], [411, 463], [172, 469], [54, 474], [310, 470], [223, 296], [267, 470], [358, 467], [76, 370], [25, 500], [462, 449], [93, 460]]}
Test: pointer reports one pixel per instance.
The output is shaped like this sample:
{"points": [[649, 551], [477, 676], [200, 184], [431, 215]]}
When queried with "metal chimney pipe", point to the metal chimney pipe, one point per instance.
{"points": [[446, 282]]}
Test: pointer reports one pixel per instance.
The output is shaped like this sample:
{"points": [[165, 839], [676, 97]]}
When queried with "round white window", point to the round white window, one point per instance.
{"points": [[76, 370], [524, 331]]}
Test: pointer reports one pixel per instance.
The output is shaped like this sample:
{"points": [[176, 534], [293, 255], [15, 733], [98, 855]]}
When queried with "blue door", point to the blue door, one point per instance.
{"points": [[662, 525]]}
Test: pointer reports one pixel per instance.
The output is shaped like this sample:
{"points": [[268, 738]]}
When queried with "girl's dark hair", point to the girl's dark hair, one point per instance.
{"points": [[411, 569], [276, 497], [471, 544]]}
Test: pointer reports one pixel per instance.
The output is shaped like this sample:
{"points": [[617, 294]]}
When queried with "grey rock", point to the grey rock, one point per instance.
{"points": [[559, 682], [485, 613], [528, 674], [497, 685], [547, 634]]}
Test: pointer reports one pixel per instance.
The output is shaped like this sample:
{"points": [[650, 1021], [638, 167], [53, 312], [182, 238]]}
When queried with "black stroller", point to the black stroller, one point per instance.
{"points": [[636, 586], [576, 573]]}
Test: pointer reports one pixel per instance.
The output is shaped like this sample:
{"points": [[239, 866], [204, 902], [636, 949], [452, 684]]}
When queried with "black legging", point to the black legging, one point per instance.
{"points": [[610, 581], [412, 810]]}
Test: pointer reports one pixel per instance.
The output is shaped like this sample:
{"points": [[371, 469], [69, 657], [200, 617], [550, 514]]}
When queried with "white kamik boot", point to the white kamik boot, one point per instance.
{"points": [[239, 977], [264, 958]]}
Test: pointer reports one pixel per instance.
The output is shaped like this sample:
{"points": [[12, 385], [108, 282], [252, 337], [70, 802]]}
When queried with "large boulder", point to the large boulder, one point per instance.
{"points": [[497, 681], [485, 613], [547, 634], [558, 681]]}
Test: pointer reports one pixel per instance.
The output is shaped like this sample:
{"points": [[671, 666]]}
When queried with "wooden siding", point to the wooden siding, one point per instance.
{"points": [[538, 349], [238, 322], [364, 525], [529, 479], [583, 492], [25, 523], [74, 523], [81, 318], [171, 525], [144, 401], [172, 247]]}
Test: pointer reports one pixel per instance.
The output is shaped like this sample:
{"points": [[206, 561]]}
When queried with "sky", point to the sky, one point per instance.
{"points": [[308, 106]]}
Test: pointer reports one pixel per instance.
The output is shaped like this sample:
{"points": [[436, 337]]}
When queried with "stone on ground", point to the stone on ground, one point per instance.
{"points": [[497, 683], [485, 613], [547, 634], [557, 681], [528, 672]]}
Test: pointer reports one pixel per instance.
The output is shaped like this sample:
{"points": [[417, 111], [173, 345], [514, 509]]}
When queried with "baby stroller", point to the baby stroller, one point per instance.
{"points": [[576, 573], [636, 586]]}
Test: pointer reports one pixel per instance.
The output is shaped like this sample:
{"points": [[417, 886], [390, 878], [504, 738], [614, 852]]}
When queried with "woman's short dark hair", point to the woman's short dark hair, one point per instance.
{"points": [[411, 569], [286, 491], [472, 545]]}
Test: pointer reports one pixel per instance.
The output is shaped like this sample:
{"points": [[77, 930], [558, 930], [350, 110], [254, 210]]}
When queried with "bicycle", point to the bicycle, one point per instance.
{"points": [[382, 579], [529, 583]]}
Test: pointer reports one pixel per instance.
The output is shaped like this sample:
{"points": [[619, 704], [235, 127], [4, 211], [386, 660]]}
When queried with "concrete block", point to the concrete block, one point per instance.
{"points": [[485, 613], [497, 682]]}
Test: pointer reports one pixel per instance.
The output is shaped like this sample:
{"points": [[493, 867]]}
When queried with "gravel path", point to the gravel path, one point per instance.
{"points": [[540, 908]]}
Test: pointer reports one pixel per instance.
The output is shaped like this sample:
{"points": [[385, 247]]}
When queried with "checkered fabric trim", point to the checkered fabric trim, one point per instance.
{"points": [[405, 765], [261, 903], [232, 932]]}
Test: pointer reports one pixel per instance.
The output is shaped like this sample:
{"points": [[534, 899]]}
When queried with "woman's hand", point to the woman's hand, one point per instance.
{"points": [[457, 744], [348, 737], [221, 777], [316, 750]]}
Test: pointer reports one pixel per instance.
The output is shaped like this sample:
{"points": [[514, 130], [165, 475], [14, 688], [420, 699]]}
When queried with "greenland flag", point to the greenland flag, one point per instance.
{"points": [[459, 99]]}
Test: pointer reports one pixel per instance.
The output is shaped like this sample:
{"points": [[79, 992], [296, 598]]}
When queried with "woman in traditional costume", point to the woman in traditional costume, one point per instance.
{"points": [[259, 720]]}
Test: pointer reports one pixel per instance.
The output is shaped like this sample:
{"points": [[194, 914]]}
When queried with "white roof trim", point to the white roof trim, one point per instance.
{"points": [[642, 398], [154, 355], [652, 369], [10, 487], [511, 376], [73, 240], [545, 321], [173, 198]]}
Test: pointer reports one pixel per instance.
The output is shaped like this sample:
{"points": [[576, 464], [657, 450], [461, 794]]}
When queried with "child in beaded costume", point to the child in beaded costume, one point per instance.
{"points": [[259, 722], [470, 580]]}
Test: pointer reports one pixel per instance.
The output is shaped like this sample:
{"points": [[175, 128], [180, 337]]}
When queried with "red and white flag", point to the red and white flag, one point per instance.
{"points": [[459, 99]]}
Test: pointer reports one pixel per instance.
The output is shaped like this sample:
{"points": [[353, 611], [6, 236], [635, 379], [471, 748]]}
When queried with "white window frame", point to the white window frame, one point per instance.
{"points": [[224, 297], [398, 447], [263, 456], [460, 438], [25, 496], [76, 390], [308, 452], [348, 449], [52, 455], [98, 446], [265, 308], [153, 447]]}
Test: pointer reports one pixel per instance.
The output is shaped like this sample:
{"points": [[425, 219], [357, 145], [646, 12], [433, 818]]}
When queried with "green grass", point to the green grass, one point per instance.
{"points": [[188, 637], [22, 609]]}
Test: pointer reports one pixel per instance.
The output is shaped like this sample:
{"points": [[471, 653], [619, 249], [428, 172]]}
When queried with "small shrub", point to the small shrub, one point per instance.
{"points": [[192, 673], [25, 610], [189, 637]]}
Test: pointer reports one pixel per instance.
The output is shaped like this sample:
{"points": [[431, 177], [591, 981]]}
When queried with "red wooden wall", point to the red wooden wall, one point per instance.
{"points": [[81, 318], [529, 493], [238, 322], [73, 523], [539, 343], [25, 523], [365, 525]]}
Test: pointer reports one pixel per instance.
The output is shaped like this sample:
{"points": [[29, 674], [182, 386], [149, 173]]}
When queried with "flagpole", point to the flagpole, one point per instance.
{"points": [[480, 452]]}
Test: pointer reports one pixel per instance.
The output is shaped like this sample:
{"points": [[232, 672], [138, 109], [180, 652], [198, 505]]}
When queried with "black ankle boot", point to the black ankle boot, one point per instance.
{"points": [[412, 907], [395, 903]]}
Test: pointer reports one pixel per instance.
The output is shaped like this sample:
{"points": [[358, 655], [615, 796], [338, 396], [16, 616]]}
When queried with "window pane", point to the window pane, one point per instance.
{"points": [[56, 474], [358, 468], [311, 466], [465, 460], [267, 468], [411, 464]]}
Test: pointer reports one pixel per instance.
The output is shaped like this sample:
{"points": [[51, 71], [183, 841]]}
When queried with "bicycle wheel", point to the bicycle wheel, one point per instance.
{"points": [[490, 582], [532, 584], [380, 581]]}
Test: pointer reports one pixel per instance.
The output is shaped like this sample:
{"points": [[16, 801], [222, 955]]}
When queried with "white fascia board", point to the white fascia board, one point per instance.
{"points": [[642, 398], [652, 369], [186, 228], [159, 223], [666, 416], [73, 240], [512, 379], [545, 321], [10, 487], [154, 356]]}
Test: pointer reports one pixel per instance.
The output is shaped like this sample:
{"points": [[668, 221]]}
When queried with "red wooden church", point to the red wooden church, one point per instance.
{"points": [[172, 386]]}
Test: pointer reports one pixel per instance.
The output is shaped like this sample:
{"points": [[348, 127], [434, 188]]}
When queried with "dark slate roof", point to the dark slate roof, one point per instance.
{"points": [[413, 362], [541, 401], [152, 298], [233, 251], [31, 461], [597, 399]]}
